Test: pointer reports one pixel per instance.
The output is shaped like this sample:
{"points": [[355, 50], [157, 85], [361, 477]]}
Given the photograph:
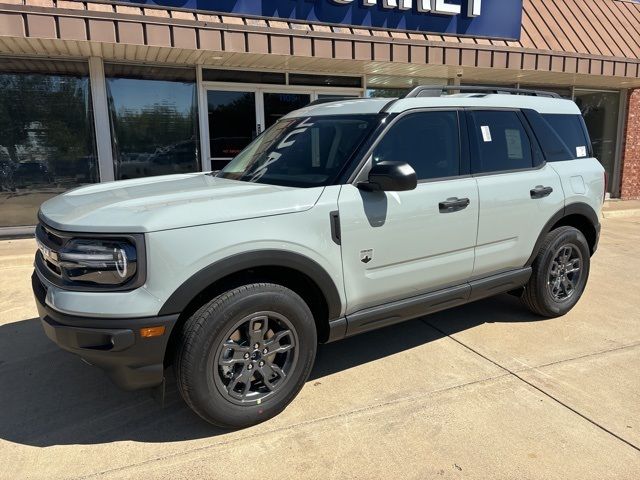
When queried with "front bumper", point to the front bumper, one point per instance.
{"points": [[114, 345]]}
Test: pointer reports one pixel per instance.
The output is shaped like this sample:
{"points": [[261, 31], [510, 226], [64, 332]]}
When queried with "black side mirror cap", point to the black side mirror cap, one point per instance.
{"points": [[390, 177]]}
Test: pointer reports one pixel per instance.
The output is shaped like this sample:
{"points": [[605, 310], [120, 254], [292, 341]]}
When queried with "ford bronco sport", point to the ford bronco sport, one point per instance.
{"points": [[341, 218]]}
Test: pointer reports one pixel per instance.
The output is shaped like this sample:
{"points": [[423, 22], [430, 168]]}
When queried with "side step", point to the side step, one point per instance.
{"points": [[414, 307]]}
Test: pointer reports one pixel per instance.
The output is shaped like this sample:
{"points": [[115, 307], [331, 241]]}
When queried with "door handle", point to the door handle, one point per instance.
{"points": [[453, 204], [541, 192]]}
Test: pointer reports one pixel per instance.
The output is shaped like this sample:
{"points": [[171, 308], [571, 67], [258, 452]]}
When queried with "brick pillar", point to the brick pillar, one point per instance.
{"points": [[630, 188]]}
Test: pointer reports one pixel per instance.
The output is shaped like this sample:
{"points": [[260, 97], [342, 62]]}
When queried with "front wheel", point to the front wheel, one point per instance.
{"points": [[560, 273], [245, 355]]}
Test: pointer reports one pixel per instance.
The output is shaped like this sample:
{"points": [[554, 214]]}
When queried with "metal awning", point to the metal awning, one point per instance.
{"points": [[565, 42]]}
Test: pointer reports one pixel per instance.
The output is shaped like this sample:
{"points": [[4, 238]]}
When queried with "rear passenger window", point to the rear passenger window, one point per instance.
{"points": [[570, 129], [428, 141], [501, 142]]}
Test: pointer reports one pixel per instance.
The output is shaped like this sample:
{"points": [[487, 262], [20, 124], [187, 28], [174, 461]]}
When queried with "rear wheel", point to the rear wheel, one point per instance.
{"points": [[560, 273], [245, 355]]}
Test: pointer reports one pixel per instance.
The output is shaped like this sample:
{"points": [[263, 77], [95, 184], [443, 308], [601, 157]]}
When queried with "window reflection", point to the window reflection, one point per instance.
{"points": [[47, 140], [232, 124], [153, 113], [277, 105], [600, 112]]}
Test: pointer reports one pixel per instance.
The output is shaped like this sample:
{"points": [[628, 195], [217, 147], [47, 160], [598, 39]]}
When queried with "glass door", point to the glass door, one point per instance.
{"points": [[600, 110], [237, 114], [232, 123], [278, 104]]}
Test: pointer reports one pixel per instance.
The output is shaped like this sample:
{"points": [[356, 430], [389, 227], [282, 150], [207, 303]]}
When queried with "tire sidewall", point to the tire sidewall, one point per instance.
{"points": [[205, 396], [576, 239]]}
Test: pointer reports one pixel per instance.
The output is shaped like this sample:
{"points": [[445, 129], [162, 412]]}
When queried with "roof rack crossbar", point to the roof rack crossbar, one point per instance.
{"points": [[439, 90]]}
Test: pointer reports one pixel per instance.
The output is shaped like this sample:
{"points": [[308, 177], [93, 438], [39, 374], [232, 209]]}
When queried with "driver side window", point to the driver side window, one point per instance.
{"points": [[428, 141]]}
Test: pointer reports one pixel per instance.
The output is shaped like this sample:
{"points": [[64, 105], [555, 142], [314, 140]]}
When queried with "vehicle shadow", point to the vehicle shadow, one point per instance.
{"points": [[49, 397]]}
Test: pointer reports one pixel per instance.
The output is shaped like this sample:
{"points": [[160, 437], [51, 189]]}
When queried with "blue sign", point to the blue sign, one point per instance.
{"points": [[478, 18]]}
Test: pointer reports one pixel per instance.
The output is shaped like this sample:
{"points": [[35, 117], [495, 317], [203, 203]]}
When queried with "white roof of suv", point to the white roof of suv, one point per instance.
{"points": [[542, 104]]}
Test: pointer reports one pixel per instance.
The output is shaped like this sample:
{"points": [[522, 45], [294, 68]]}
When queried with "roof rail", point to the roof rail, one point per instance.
{"points": [[440, 90]]}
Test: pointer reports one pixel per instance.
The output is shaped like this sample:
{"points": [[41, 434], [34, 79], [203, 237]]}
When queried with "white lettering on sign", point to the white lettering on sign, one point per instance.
{"points": [[474, 8], [441, 7]]}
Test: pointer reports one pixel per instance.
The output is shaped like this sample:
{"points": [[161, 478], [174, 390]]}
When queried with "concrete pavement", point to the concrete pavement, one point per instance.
{"points": [[482, 391]]}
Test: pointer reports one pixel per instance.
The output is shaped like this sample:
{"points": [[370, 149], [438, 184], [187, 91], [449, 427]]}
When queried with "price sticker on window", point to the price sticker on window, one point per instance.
{"points": [[581, 151], [486, 133]]}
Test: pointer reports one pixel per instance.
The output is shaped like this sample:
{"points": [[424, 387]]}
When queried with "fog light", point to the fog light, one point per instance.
{"points": [[148, 332]]}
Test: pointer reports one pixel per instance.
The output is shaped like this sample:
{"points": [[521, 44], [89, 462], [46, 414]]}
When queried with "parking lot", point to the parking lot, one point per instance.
{"points": [[487, 390]]}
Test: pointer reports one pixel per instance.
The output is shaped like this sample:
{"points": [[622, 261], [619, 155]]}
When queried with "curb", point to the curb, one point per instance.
{"points": [[630, 212]]}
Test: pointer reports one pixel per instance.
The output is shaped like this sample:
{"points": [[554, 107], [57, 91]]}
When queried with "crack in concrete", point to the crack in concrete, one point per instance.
{"points": [[367, 408], [376, 406], [545, 393]]}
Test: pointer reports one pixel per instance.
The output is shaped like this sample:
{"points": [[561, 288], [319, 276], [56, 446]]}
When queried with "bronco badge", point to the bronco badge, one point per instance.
{"points": [[366, 255]]}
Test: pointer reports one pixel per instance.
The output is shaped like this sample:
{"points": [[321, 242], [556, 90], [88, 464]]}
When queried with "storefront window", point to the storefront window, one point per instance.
{"points": [[600, 111], [564, 92], [47, 140], [154, 120], [386, 92]]}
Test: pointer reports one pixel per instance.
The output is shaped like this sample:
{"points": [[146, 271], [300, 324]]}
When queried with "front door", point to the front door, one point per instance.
{"points": [[232, 117], [401, 244]]}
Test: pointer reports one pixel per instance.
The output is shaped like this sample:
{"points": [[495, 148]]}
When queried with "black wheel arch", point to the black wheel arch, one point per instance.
{"points": [[295, 271], [579, 215]]}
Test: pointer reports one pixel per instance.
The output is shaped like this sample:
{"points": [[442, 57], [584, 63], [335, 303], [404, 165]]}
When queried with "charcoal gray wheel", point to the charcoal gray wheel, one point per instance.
{"points": [[559, 273], [243, 356], [257, 358], [564, 272]]}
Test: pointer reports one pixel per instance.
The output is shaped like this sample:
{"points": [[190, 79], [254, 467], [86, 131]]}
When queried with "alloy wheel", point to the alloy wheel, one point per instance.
{"points": [[256, 357], [565, 272]]}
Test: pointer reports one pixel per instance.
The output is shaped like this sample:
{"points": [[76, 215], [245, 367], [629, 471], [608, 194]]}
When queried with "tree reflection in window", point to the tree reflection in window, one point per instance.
{"points": [[153, 115], [47, 141]]}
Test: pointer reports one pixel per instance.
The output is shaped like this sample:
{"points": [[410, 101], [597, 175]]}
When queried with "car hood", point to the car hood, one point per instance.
{"points": [[171, 201]]}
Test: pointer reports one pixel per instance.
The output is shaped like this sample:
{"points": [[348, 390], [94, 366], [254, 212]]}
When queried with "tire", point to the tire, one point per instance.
{"points": [[548, 291], [217, 345]]}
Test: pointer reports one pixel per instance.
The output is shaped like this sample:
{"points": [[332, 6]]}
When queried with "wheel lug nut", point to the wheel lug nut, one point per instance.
{"points": [[261, 364], [250, 366], [265, 350], [256, 346], [246, 355]]}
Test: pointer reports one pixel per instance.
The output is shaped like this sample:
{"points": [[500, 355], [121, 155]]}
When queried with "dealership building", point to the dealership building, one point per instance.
{"points": [[95, 91]]}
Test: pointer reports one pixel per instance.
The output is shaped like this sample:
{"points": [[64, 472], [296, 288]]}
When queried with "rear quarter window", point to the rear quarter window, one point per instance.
{"points": [[571, 130]]}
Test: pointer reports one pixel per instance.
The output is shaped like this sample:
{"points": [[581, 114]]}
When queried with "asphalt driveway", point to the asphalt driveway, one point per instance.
{"points": [[482, 391]]}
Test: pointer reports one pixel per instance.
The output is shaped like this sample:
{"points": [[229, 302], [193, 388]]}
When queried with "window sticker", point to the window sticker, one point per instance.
{"points": [[581, 151], [514, 144], [486, 133]]}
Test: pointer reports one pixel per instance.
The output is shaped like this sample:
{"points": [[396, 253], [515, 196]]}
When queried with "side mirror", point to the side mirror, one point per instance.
{"points": [[390, 177]]}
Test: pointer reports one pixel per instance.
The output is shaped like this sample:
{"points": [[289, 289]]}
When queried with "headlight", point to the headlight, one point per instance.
{"points": [[86, 262], [98, 262]]}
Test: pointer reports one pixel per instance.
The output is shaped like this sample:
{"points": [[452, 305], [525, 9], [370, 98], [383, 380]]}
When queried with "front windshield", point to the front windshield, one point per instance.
{"points": [[301, 152]]}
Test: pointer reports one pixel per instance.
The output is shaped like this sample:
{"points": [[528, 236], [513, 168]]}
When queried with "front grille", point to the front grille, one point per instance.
{"points": [[51, 236], [49, 244]]}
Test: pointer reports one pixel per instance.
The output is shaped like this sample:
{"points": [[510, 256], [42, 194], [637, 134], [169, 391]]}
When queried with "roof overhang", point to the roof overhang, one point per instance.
{"points": [[144, 35]]}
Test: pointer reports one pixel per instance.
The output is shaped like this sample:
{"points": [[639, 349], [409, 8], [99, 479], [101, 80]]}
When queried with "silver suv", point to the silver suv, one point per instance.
{"points": [[342, 218]]}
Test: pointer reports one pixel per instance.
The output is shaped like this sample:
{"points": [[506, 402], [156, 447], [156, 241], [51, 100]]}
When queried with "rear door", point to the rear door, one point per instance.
{"points": [[518, 191], [397, 245]]}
